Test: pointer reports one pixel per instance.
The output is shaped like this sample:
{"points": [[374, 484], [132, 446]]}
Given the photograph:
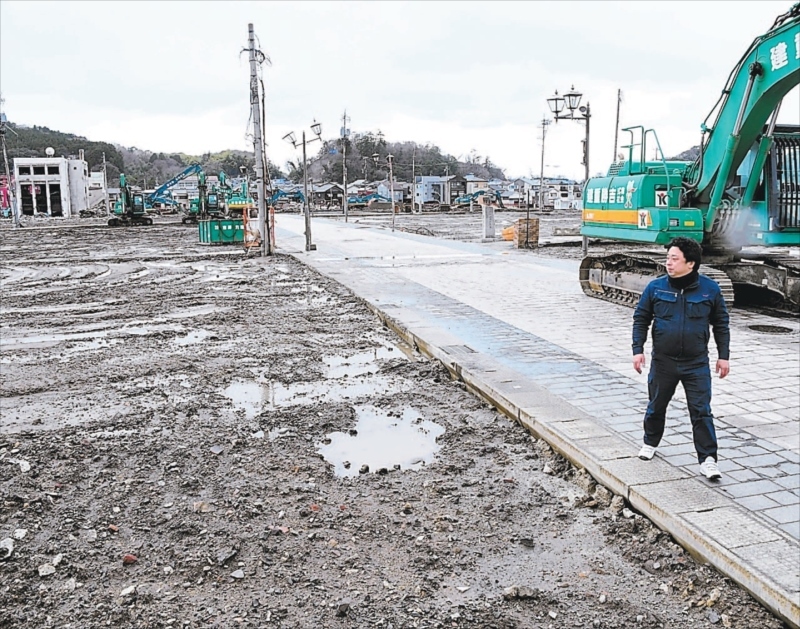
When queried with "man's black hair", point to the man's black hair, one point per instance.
{"points": [[691, 250]]}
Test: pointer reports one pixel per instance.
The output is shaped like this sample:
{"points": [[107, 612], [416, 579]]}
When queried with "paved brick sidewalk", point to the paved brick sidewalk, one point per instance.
{"points": [[520, 332]]}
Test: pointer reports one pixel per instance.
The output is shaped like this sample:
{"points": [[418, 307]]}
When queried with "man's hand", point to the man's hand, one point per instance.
{"points": [[723, 368], [639, 360]]}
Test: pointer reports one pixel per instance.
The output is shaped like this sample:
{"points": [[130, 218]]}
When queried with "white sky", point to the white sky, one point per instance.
{"points": [[169, 76]]}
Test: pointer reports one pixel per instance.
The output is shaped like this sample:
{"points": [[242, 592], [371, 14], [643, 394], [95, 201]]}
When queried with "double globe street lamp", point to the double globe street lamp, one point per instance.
{"points": [[571, 101], [290, 137], [390, 161]]}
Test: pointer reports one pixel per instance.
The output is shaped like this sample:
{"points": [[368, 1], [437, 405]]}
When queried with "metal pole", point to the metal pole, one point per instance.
{"points": [[391, 186], [616, 128], [585, 239], [11, 191], [413, 180], [344, 164], [306, 208], [545, 122], [105, 183], [258, 146]]}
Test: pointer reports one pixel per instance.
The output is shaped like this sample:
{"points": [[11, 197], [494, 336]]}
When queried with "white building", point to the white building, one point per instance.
{"points": [[431, 189], [57, 186]]}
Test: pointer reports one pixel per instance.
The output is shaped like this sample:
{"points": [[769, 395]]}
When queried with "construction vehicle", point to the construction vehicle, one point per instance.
{"points": [[738, 198], [161, 194], [207, 204], [130, 210], [362, 201], [295, 196], [239, 198], [475, 197]]}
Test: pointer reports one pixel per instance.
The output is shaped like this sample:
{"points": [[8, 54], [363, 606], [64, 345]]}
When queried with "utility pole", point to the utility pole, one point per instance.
{"points": [[390, 159], [11, 197], [616, 128], [345, 132], [256, 57], [413, 180], [105, 183], [545, 122]]}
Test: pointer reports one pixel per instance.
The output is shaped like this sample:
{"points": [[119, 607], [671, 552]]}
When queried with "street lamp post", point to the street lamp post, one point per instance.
{"points": [[545, 122], [390, 161], [572, 101], [290, 137]]}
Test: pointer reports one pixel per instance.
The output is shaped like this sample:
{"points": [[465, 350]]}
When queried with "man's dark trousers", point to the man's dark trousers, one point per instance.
{"points": [[695, 375]]}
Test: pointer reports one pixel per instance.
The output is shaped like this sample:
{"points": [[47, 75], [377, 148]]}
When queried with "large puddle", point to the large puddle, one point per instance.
{"points": [[382, 440], [346, 378], [358, 364], [254, 397]]}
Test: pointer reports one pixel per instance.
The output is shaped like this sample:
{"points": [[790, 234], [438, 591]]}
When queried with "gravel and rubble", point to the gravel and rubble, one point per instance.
{"points": [[166, 414]]}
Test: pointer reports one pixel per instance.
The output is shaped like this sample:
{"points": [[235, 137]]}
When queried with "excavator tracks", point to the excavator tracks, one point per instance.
{"points": [[769, 282], [621, 278]]}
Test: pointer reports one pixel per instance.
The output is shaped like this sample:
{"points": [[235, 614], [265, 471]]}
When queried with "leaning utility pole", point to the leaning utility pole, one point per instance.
{"points": [[545, 122], [345, 132], [616, 128], [256, 57]]}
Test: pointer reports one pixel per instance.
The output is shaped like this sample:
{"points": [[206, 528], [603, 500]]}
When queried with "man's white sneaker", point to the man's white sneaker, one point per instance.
{"points": [[710, 469], [647, 452]]}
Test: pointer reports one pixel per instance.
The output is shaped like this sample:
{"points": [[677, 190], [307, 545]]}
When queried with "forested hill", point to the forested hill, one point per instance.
{"points": [[146, 168], [24, 141], [143, 168]]}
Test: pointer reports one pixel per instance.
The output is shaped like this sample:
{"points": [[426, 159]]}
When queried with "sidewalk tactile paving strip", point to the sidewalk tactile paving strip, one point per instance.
{"points": [[681, 496], [731, 527], [776, 560]]}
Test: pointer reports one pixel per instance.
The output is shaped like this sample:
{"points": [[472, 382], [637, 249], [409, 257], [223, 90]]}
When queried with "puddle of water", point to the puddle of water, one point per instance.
{"points": [[382, 441], [248, 395], [39, 339], [310, 393], [358, 364], [91, 345], [195, 311], [196, 336], [254, 397]]}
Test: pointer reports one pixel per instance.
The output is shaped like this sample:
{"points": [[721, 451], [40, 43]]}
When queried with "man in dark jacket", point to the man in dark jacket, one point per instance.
{"points": [[681, 307]]}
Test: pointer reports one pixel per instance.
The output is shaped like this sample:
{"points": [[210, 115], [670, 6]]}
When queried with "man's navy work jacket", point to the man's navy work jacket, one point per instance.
{"points": [[681, 319]]}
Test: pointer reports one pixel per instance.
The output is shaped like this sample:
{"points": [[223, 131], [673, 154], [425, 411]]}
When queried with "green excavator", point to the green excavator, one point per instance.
{"points": [[740, 198], [131, 209]]}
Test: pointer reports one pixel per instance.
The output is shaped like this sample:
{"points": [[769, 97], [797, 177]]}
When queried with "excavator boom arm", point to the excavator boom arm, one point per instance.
{"points": [[765, 74]]}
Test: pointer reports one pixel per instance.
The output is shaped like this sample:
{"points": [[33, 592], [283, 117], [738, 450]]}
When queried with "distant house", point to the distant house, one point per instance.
{"points": [[458, 187], [431, 189], [325, 194], [401, 191], [475, 183]]}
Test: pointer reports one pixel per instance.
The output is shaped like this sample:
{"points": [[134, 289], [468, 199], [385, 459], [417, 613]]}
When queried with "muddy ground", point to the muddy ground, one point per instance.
{"points": [[195, 438]]}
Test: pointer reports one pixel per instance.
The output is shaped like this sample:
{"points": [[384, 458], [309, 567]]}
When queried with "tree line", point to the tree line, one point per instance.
{"points": [[147, 168]]}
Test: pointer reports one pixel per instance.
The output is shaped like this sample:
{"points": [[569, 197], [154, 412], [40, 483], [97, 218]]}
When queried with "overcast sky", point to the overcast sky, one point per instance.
{"points": [[171, 76]]}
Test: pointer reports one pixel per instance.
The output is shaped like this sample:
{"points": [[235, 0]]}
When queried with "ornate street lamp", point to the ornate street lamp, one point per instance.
{"points": [[572, 102], [290, 137]]}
